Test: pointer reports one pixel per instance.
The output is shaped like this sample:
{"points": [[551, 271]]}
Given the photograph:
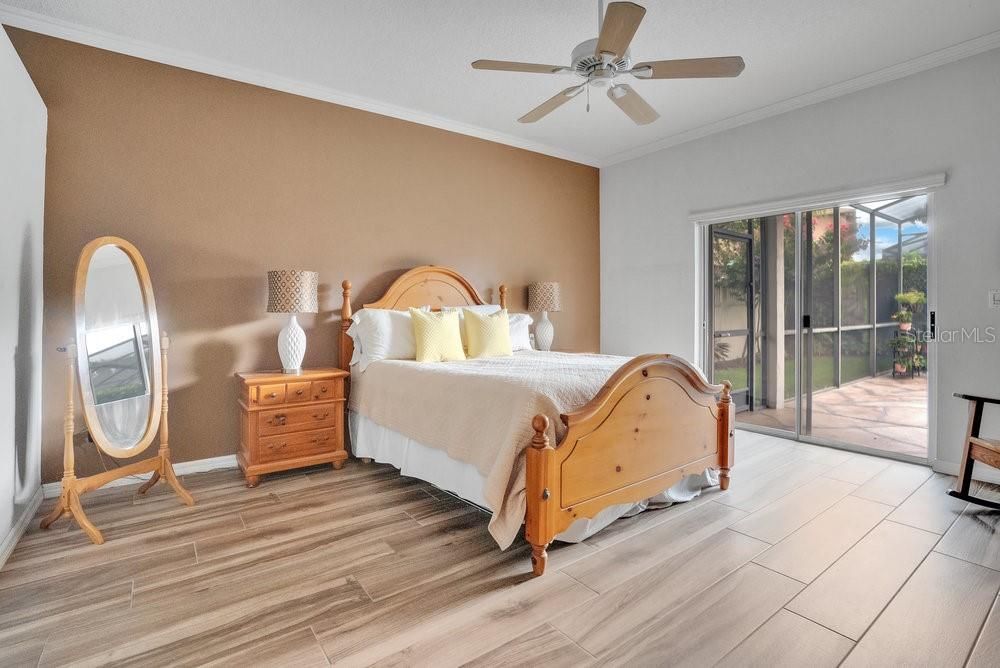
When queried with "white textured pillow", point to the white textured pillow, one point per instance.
{"points": [[382, 334], [480, 309], [520, 339]]}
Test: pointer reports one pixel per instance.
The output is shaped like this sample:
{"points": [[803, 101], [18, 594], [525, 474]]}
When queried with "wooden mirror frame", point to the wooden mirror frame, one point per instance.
{"points": [[83, 361], [159, 465]]}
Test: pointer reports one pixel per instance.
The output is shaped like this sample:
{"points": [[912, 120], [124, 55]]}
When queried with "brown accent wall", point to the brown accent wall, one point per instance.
{"points": [[217, 181]]}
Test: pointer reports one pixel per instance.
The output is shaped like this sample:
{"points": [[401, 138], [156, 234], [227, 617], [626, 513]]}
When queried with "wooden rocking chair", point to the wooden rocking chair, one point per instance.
{"points": [[977, 449]]}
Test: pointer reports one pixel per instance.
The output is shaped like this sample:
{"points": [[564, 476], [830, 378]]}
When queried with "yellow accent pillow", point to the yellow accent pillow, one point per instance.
{"points": [[488, 335], [437, 336]]}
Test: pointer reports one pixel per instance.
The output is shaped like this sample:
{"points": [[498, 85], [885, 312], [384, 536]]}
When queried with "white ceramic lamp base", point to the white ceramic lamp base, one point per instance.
{"points": [[544, 332], [292, 346]]}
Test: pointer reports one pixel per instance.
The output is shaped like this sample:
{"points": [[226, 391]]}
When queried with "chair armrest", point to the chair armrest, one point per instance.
{"points": [[973, 397]]}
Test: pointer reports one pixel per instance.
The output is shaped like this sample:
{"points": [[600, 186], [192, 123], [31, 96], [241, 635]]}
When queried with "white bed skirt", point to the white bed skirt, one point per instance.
{"points": [[413, 459]]}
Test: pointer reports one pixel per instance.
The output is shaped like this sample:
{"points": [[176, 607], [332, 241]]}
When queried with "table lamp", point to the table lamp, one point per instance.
{"points": [[292, 291], [543, 297]]}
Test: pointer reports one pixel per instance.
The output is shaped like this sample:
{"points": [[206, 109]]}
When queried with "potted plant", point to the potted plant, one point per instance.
{"points": [[904, 318], [902, 348], [908, 303]]}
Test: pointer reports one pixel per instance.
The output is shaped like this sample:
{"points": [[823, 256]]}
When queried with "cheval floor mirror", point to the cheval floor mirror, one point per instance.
{"points": [[119, 363]]}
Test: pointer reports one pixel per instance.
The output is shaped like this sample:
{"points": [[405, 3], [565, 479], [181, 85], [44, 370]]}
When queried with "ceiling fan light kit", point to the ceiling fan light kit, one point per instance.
{"points": [[598, 61]]}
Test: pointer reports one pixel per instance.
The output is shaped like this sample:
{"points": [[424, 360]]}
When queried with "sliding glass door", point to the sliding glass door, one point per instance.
{"points": [[752, 305], [734, 311], [818, 318]]}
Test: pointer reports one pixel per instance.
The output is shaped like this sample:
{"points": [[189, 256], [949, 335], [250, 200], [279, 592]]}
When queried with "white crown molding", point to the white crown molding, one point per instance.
{"points": [[944, 56], [46, 25], [51, 490], [9, 541]]}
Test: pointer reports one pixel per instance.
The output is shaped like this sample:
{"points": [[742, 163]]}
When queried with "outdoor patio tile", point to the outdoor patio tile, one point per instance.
{"points": [[883, 413]]}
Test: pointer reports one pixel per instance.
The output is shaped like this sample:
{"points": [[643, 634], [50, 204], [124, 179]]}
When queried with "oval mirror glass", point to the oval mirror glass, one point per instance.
{"points": [[117, 347]]}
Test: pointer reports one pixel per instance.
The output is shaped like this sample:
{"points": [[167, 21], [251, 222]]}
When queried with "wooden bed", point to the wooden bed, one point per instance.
{"points": [[655, 420]]}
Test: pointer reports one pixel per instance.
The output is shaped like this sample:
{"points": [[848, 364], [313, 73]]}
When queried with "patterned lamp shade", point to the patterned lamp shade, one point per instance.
{"points": [[292, 291], [543, 297]]}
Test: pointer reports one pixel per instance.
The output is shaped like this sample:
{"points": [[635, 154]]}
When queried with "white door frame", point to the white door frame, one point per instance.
{"points": [[913, 186]]}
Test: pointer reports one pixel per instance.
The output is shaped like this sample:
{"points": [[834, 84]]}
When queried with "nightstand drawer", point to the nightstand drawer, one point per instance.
{"points": [[303, 418], [298, 392], [269, 395], [291, 446], [323, 390]]}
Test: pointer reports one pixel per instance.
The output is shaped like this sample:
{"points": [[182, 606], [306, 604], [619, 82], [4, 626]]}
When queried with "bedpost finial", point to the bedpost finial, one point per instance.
{"points": [[503, 296], [345, 309], [540, 424], [727, 388]]}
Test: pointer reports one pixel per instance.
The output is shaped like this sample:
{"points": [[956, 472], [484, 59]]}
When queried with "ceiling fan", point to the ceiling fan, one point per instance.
{"points": [[598, 61]]}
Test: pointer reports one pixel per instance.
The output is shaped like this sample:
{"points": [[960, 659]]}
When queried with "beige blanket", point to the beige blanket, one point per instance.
{"points": [[479, 411]]}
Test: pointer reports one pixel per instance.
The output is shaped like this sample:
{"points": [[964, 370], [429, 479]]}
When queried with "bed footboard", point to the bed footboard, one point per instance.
{"points": [[656, 420]]}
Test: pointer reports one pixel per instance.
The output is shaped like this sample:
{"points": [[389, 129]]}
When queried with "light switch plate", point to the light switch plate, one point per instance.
{"points": [[994, 298]]}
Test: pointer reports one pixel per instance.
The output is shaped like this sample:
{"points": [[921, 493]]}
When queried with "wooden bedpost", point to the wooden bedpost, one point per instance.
{"points": [[346, 345], [346, 342], [540, 518], [727, 435], [503, 296]]}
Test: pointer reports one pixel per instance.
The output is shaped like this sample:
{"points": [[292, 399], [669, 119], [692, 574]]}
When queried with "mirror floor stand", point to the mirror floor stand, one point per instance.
{"points": [[73, 487]]}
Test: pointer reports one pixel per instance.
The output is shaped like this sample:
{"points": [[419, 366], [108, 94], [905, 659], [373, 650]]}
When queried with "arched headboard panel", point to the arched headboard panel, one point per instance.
{"points": [[420, 286]]}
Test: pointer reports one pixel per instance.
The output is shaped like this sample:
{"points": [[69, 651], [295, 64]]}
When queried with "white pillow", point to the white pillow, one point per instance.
{"points": [[382, 334], [481, 309], [520, 339], [354, 332]]}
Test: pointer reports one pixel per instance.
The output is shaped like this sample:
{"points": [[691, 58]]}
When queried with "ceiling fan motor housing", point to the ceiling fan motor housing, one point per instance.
{"points": [[589, 66]]}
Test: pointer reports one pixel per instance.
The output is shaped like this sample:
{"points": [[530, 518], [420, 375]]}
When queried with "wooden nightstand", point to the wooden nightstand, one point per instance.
{"points": [[290, 420]]}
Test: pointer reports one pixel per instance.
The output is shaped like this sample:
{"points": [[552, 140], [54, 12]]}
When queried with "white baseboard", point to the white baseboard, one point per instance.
{"points": [[980, 472], [20, 526], [51, 490]]}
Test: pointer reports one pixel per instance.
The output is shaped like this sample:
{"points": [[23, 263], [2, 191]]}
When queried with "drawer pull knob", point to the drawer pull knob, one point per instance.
{"points": [[279, 420], [320, 417], [272, 395], [299, 392], [323, 389]]}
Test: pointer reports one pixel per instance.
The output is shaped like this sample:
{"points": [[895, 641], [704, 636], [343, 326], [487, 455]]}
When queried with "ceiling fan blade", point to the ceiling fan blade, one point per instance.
{"points": [[690, 68], [512, 66], [621, 20], [551, 104], [633, 104]]}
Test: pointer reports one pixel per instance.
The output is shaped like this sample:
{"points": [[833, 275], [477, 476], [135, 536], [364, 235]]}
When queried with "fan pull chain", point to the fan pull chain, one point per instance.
{"points": [[588, 99]]}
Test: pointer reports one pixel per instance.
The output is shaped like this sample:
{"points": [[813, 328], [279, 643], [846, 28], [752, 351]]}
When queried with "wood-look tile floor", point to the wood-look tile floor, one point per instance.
{"points": [[813, 557]]}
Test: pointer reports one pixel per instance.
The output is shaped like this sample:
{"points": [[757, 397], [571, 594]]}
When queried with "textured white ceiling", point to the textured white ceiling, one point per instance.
{"points": [[412, 57]]}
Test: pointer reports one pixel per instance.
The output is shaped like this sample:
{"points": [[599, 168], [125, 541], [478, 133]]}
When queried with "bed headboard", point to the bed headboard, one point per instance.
{"points": [[420, 286]]}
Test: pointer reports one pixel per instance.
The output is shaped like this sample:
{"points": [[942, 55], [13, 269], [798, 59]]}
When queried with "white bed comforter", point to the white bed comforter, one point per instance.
{"points": [[479, 412]]}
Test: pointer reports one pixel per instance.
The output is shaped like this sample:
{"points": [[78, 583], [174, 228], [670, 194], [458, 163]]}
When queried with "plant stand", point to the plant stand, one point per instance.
{"points": [[904, 350]]}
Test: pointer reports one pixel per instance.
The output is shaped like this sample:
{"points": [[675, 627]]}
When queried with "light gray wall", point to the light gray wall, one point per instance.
{"points": [[22, 188], [941, 120]]}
